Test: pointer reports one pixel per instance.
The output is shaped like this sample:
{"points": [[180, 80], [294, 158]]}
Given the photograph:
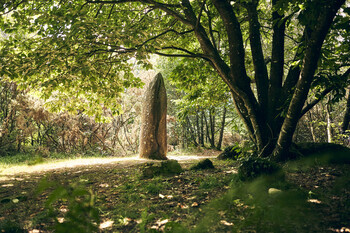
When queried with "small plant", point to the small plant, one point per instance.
{"points": [[210, 182], [81, 215], [155, 186]]}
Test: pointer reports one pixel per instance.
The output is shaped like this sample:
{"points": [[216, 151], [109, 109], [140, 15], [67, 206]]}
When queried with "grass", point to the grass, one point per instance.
{"points": [[214, 200]]}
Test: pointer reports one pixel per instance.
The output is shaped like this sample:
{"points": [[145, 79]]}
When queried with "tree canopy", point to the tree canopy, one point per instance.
{"points": [[268, 53]]}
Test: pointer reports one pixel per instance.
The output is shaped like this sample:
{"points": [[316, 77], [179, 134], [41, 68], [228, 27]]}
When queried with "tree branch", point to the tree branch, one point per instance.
{"points": [[162, 6], [163, 33], [261, 76]]}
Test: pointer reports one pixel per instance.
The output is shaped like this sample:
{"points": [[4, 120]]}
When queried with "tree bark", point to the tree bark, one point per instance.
{"points": [[346, 119], [312, 55], [222, 128], [329, 122]]}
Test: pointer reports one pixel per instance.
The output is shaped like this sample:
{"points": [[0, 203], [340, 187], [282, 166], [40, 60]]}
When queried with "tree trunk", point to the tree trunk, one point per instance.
{"points": [[198, 128], [329, 122], [311, 126], [221, 135], [192, 132], [212, 127], [312, 55], [346, 119], [202, 129]]}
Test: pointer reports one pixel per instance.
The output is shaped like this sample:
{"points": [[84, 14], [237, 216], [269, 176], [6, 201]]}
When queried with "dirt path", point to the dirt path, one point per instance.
{"points": [[83, 163]]}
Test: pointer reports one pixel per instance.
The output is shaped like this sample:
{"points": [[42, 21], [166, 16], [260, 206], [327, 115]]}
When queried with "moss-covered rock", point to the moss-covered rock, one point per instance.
{"points": [[165, 168], [204, 164], [230, 152], [327, 152], [253, 167], [171, 167]]}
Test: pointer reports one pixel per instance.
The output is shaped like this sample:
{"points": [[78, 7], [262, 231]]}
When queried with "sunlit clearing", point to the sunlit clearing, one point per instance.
{"points": [[72, 163]]}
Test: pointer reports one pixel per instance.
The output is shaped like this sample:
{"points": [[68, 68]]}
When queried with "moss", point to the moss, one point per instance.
{"points": [[204, 164], [230, 152], [253, 167], [330, 153], [165, 168]]}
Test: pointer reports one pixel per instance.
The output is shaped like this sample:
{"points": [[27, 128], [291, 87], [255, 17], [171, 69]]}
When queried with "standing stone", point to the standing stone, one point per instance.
{"points": [[153, 136]]}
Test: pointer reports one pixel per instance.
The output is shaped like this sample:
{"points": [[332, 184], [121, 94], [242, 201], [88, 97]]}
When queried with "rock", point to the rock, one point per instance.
{"points": [[253, 167], [153, 136], [230, 152], [165, 168], [204, 164], [329, 153], [273, 191], [171, 167]]}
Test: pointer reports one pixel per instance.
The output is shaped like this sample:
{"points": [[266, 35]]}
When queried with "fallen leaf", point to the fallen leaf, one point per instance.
{"points": [[106, 224], [314, 201], [15, 200], [226, 223]]}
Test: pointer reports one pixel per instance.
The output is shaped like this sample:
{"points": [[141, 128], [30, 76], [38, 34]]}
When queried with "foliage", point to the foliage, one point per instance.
{"points": [[27, 126], [81, 53], [81, 215]]}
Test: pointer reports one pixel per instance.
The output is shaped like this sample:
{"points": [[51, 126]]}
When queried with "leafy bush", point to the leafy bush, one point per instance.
{"points": [[253, 167], [81, 215]]}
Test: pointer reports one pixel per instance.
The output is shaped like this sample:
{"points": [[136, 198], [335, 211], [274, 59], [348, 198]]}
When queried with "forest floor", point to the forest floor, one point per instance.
{"points": [[313, 198]]}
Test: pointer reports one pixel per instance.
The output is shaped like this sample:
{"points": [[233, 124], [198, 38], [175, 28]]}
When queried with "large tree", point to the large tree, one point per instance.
{"points": [[267, 52]]}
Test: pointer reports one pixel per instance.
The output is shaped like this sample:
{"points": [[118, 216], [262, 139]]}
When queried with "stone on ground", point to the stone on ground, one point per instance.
{"points": [[165, 168], [204, 164]]}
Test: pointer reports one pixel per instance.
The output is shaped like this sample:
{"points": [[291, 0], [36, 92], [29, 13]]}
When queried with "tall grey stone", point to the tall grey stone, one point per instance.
{"points": [[153, 136]]}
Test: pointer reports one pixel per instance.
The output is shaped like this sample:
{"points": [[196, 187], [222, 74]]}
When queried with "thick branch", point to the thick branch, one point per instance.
{"points": [[261, 76], [277, 63]]}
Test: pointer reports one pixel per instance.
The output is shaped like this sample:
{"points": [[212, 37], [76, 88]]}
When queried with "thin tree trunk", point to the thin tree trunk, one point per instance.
{"points": [[198, 128], [311, 126], [202, 128], [221, 135], [212, 128], [329, 122], [190, 127], [346, 120], [207, 129]]}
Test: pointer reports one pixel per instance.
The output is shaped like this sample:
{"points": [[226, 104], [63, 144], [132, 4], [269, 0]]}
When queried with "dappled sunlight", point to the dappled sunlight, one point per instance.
{"points": [[73, 163]]}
